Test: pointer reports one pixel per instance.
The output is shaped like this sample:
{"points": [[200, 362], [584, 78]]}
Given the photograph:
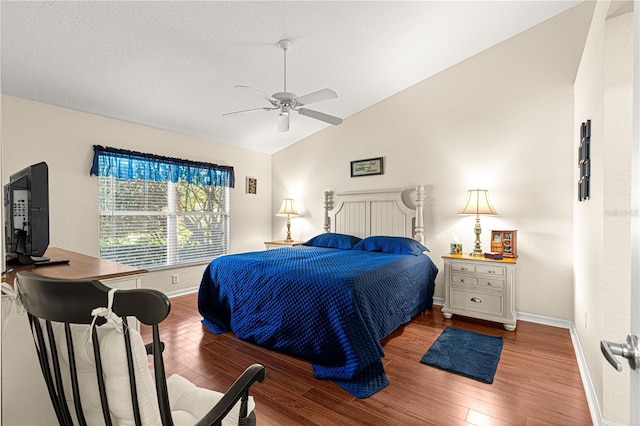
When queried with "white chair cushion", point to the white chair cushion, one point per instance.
{"points": [[188, 403], [115, 373]]}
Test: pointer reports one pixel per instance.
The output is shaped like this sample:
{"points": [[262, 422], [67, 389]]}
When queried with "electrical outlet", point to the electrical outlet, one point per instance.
{"points": [[175, 279]]}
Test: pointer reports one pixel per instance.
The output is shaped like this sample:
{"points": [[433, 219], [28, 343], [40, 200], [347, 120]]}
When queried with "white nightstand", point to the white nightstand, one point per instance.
{"points": [[480, 288], [281, 244]]}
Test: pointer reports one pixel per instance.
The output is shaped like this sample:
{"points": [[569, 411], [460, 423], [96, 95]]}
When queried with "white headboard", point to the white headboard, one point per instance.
{"points": [[377, 212]]}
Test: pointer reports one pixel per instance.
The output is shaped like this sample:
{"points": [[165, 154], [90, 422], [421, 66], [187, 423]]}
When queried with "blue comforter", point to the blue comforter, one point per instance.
{"points": [[329, 306]]}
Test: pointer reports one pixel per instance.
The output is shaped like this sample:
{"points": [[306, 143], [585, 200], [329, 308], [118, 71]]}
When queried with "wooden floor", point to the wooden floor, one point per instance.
{"points": [[537, 381]]}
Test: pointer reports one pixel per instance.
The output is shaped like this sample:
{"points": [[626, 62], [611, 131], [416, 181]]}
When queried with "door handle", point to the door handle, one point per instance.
{"points": [[628, 349]]}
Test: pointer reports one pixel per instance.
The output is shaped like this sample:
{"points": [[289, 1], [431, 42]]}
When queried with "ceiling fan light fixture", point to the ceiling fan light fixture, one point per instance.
{"points": [[286, 101], [283, 122]]}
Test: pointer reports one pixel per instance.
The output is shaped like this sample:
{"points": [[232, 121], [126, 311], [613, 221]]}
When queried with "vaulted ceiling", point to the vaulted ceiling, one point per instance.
{"points": [[174, 65]]}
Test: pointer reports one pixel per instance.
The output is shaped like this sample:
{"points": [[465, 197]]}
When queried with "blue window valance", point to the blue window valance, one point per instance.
{"points": [[124, 164]]}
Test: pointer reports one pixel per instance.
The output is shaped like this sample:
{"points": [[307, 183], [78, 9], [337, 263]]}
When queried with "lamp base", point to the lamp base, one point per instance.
{"points": [[288, 239], [477, 249]]}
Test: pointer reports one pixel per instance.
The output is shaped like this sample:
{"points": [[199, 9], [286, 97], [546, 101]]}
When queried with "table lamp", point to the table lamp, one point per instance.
{"points": [[288, 210], [477, 203]]}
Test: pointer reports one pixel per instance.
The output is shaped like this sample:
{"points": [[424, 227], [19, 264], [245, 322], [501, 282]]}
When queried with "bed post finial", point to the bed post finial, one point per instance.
{"points": [[419, 226], [328, 205]]}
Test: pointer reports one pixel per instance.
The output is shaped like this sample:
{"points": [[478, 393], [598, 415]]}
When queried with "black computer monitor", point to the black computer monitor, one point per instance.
{"points": [[26, 202]]}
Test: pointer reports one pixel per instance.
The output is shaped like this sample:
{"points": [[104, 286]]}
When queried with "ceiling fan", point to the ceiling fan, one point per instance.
{"points": [[286, 102]]}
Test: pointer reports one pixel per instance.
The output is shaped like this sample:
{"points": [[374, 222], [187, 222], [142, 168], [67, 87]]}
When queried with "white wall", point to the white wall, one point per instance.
{"points": [[588, 249], [602, 243], [33, 132], [503, 121]]}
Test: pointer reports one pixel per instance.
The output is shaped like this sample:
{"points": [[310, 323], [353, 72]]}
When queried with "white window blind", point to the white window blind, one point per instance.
{"points": [[149, 224]]}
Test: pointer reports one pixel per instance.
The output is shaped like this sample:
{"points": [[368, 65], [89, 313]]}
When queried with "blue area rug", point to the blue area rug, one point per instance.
{"points": [[466, 353]]}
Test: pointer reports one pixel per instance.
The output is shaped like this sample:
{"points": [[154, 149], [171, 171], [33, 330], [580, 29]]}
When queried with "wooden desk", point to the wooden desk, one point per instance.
{"points": [[25, 400], [79, 266]]}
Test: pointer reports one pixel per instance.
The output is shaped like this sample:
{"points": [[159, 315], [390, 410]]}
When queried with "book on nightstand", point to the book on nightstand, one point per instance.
{"points": [[495, 256]]}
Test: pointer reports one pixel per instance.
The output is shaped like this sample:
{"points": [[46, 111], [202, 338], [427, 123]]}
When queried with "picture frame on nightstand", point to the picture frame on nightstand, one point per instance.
{"points": [[505, 243]]}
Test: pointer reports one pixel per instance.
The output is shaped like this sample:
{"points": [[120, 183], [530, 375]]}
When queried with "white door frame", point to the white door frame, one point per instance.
{"points": [[635, 215]]}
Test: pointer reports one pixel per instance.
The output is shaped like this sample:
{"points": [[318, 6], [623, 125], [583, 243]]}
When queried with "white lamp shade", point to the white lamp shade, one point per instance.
{"points": [[477, 203], [288, 208]]}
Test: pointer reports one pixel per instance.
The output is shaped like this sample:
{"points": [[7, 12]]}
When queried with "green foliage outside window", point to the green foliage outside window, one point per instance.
{"points": [[149, 224]]}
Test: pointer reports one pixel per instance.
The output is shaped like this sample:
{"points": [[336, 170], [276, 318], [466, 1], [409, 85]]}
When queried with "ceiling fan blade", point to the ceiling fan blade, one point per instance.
{"points": [[259, 93], [247, 110], [320, 116], [317, 96], [283, 122]]}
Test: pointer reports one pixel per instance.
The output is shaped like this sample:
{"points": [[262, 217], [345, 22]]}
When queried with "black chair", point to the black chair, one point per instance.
{"points": [[85, 351]]}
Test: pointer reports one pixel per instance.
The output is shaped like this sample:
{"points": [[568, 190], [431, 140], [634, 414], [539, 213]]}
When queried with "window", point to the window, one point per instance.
{"points": [[147, 220]]}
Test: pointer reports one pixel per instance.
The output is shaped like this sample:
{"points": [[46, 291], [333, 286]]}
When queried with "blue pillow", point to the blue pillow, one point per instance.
{"points": [[386, 244], [333, 240]]}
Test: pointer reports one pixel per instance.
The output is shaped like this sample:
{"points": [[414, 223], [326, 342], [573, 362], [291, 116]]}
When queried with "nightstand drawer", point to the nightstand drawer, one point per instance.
{"points": [[468, 268], [486, 303], [491, 283], [463, 279], [499, 271]]}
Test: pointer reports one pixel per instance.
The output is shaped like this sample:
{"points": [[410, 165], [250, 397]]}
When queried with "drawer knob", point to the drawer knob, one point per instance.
{"points": [[461, 280], [491, 271], [489, 283], [463, 268], [476, 300]]}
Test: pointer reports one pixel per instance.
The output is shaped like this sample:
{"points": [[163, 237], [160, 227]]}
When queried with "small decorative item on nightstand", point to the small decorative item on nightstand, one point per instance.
{"points": [[505, 243], [494, 256], [456, 248]]}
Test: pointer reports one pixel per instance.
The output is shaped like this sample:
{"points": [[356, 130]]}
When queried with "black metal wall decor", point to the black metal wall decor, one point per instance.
{"points": [[584, 160]]}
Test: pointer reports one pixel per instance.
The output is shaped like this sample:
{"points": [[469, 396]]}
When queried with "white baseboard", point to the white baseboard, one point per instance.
{"points": [[544, 320], [182, 292]]}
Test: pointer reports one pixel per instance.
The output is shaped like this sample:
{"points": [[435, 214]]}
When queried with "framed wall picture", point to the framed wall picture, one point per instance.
{"points": [[584, 161], [252, 185], [370, 166]]}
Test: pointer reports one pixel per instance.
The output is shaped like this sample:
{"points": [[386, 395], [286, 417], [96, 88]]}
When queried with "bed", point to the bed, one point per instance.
{"points": [[332, 300]]}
